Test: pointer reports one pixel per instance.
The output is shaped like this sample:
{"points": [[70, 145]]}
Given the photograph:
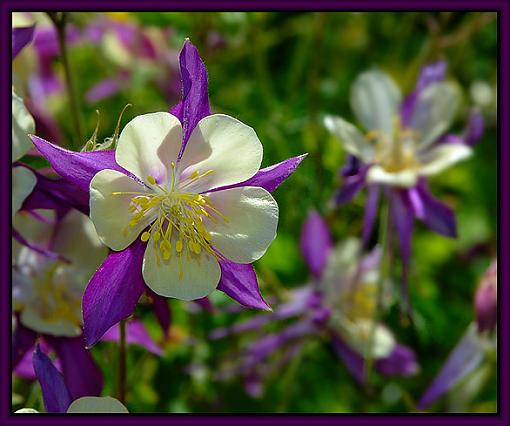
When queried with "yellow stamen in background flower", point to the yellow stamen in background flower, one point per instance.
{"points": [[397, 153], [56, 302], [151, 180]]}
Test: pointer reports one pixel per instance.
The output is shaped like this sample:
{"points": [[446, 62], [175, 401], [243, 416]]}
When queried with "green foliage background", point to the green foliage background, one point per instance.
{"points": [[281, 73]]}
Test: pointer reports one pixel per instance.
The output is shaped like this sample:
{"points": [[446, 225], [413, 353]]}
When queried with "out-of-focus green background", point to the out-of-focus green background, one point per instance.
{"points": [[281, 73]]}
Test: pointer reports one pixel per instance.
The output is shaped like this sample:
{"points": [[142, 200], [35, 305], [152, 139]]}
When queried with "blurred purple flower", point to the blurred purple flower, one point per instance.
{"points": [[470, 351], [326, 308], [486, 300], [411, 144]]}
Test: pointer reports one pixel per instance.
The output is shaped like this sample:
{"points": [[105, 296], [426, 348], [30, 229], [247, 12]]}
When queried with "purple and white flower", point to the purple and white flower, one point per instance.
{"points": [[182, 203], [338, 305]]}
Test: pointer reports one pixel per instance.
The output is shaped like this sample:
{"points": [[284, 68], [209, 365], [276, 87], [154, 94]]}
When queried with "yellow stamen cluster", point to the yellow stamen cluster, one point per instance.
{"points": [[398, 152], [178, 226], [56, 302], [359, 302]]}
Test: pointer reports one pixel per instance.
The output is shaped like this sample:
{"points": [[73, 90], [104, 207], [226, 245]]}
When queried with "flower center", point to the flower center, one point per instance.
{"points": [[55, 300], [179, 225], [396, 153]]}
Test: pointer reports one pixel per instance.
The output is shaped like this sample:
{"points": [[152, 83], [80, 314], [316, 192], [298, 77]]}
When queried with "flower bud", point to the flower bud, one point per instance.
{"points": [[486, 299]]}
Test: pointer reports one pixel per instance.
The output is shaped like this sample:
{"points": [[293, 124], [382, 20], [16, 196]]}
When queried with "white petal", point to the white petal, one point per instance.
{"points": [[23, 182], [443, 156], [32, 318], [224, 145], [185, 277], [405, 178], [375, 99], [110, 213], [148, 145], [434, 111], [89, 253], [252, 215], [97, 404], [22, 124], [358, 335], [26, 411], [351, 138]]}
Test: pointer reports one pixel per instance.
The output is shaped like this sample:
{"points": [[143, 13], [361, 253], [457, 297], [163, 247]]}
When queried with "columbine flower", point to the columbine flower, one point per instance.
{"points": [[47, 292], [338, 305], [405, 143], [58, 397], [401, 143], [180, 203], [476, 348]]}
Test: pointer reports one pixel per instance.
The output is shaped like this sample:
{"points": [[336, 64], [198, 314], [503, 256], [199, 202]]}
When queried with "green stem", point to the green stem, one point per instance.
{"points": [[60, 22], [122, 362], [383, 274]]}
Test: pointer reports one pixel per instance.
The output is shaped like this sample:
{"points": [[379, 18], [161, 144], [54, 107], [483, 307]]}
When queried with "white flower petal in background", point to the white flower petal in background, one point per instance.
{"points": [[358, 334], [110, 213], [89, 253], [23, 182], [33, 316], [226, 146], [184, 276], [26, 411], [252, 218], [434, 112], [148, 144], [351, 138], [443, 156], [97, 404], [375, 99], [405, 178], [22, 124]]}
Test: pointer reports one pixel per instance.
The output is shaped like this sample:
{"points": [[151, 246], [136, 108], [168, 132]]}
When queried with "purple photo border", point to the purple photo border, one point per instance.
{"points": [[503, 416]]}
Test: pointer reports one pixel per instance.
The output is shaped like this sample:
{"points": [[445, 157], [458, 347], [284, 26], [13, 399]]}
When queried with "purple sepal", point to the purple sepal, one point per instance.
{"points": [[315, 243], [435, 215], [205, 304], [296, 306], [54, 391], [400, 362], [429, 74], [136, 334], [161, 310], [40, 250], [25, 368], [370, 213], [351, 167], [263, 347], [352, 360], [113, 291], [486, 300], [351, 186], [23, 339], [81, 375], [270, 177], [104, 89], [56, 194], [21, 36], [240, 283], [402, 218], [194, 104], [465, 357], [475, 128], [77, 167]]}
